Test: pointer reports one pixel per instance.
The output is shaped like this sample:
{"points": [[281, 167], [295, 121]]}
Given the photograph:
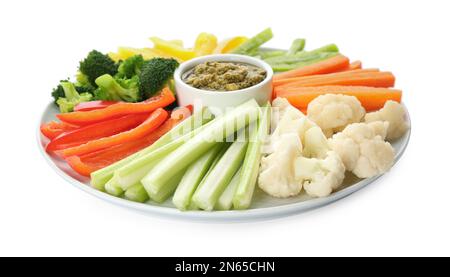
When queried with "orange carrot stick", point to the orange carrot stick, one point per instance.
{"points": [[318, 76], [330, 65], [148, 126], [370, 98], [369, 79]]}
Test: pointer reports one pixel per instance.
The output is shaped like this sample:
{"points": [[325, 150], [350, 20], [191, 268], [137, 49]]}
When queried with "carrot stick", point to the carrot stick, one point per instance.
{"points": [[332, 64], [318, 76], [148, 126], [370, 98], [369, 79]]}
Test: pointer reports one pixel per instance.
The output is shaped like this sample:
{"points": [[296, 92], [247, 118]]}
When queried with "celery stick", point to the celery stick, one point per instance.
{"points": [[271, 54], [254, 42], [304, 55], [286, 66], [187, 153], [168, 188], [297, 46], [194, 174], [213, 185], [101, 176], [226, 199], [250, 169], [136, 193], [113, 188]]}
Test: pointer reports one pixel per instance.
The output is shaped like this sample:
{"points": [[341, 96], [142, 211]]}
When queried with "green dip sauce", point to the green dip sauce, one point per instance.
{"points": [[224, 76]]}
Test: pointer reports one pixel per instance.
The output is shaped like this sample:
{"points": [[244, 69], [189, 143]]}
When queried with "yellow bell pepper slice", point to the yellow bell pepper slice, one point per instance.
{"points": [[205, 44], [172, 49], [228, 45]]}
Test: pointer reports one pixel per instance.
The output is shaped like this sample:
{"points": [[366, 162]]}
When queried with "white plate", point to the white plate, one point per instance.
{"points": [[263, 206]]}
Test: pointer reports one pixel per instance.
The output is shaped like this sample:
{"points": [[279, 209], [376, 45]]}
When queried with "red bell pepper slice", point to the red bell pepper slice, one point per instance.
{"points": [[95, 131], [165, 98], [88, 163], [53, 128], [145, 128], [93, 105]]}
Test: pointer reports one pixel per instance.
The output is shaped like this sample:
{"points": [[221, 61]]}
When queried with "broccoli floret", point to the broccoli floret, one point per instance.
{"points": [[130, 67], [82, 84], [59, 90], [110, 88], [71, 97], [97, 64], [155, 74]]}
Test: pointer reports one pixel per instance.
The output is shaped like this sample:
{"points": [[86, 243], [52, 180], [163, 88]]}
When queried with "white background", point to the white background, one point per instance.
{"points": [[405, 213]]}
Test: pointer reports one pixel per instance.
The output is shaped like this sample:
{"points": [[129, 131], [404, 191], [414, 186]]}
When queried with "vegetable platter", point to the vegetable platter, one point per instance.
{"points": [[226, 130]]}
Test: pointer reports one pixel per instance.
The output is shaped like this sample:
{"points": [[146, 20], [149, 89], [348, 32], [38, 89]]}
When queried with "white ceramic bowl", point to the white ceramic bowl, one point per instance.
{"points": [[219, 101]]}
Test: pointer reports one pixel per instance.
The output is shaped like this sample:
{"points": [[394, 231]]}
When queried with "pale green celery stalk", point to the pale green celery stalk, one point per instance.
{"points": [[101, 176], [135, 170], [136, 193], [271, 54], [254, 42], [285, 66], [168, 188], [226, 199], [213, 185], [194, 174], [303, 55], [296, 46], [113, 188], [191, 150], [250, 169]]}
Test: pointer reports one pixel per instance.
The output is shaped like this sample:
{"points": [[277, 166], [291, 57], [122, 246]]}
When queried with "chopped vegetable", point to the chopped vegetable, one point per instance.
{"points": [[228, 45], [312, 78], [193, 176], [115, 89], [172, 49], [131, 67], [100, 177], [296, 46], [53, 129], [71, 97], [304, 55], [213, 133], [394, 113], [330, 65], [97, 64], [225, 201], [351, 78], [93, 105], [332, 112], [168, 188], [303, 61], [84, 118], [205, 44], [155, 74], [362, 150], [136, 193], [254, 42], [213, 185], [88, 163], [95, 131], [370, 98], [320, 177], [250, 168], [113, 188], [149, 125]]}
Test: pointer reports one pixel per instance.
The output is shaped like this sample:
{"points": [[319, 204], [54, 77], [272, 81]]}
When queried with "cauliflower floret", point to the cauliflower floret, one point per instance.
{"points": [[394, 113], [316, 144], [287, 120], [380, 128], [320, 177], [277, 176], [362, 150], [332, 112]]}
